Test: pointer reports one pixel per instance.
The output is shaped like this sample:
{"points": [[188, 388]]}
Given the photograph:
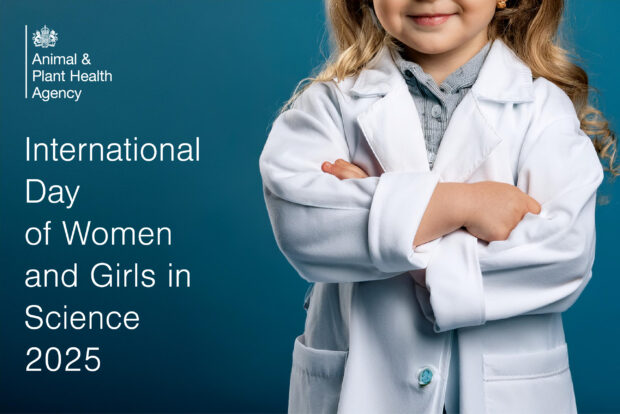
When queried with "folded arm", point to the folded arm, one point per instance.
{"points": [[547, 259], [333, 230]]}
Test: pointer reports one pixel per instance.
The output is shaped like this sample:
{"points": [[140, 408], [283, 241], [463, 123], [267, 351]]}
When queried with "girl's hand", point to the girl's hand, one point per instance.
{"points": [[343, 169], [493, 209]]}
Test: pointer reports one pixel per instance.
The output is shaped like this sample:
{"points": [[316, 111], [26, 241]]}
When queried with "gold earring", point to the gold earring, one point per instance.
{"points": [[501, 4]]}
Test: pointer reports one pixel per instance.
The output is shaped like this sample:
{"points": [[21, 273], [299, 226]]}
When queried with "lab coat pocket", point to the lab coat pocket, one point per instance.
{"points": [[316, 379], [535, 382]]}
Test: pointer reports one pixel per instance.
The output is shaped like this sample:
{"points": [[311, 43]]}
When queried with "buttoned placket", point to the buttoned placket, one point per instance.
{"points": [[436, 103]]}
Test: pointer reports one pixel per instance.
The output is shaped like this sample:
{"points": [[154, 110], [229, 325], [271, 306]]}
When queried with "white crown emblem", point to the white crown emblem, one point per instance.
{"points": [[45, 37]]}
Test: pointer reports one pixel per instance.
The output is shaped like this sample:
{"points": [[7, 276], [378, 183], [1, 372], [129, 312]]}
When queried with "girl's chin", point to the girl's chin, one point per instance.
{"points": [[428, 47]]}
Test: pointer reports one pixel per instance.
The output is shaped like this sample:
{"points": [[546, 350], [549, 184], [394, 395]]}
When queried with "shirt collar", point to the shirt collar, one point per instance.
{"points": [[463, 77], [503, 77]]}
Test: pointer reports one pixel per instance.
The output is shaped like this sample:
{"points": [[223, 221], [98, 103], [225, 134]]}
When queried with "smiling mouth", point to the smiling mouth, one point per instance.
{"points": [[431, 19]]}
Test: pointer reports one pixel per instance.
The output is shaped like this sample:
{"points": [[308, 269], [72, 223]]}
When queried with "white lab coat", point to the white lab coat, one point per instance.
{"points": [[370, 327]]}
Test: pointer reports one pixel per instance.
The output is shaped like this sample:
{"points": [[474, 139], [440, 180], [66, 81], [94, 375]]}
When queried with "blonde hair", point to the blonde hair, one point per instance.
{"points": [[528, 27]]}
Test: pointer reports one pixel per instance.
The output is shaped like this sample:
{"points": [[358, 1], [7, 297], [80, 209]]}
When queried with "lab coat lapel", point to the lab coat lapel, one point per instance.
{"points": [[391, 124], [392, 129], [466, 143]]}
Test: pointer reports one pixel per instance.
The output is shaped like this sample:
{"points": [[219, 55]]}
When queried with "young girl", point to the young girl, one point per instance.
{"points": [[456, 222]]}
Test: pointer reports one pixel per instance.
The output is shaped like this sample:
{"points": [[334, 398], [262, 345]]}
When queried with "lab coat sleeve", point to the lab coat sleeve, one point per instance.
{"points": [[333, 230], [546, 262]]}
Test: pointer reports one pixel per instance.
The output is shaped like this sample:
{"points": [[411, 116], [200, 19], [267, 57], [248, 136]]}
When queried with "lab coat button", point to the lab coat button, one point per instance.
{"points": [[425, 376], [436, 111]]}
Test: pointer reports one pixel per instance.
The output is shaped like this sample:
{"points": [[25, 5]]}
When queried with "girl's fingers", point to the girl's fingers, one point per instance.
{"points": [[343, 169], [354, 169], [337, 170], [534, 206]]}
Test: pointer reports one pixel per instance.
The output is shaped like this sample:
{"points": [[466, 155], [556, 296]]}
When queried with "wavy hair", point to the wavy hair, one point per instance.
{"points": [[528, 27]]}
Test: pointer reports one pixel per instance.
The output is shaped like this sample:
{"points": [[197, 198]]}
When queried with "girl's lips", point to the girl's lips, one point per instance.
{"points": [[431, 20]]}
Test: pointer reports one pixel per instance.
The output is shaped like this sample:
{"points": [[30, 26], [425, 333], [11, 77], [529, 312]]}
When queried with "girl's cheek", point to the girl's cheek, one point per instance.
{"points": [[391, 14], [478, 12], [468, 5]]}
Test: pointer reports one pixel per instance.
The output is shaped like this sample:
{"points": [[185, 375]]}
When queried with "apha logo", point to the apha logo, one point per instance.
{"points": [[45, 37]]}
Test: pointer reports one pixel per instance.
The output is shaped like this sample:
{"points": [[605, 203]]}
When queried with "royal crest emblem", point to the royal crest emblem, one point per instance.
{"points": [[45, 37]]}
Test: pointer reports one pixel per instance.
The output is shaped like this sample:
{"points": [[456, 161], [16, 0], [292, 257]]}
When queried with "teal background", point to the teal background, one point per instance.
{"points": [[218, 70]]}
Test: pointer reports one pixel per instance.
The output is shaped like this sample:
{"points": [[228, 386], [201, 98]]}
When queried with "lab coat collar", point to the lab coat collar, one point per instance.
{"points": [[392, 128], [503, 77]]}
